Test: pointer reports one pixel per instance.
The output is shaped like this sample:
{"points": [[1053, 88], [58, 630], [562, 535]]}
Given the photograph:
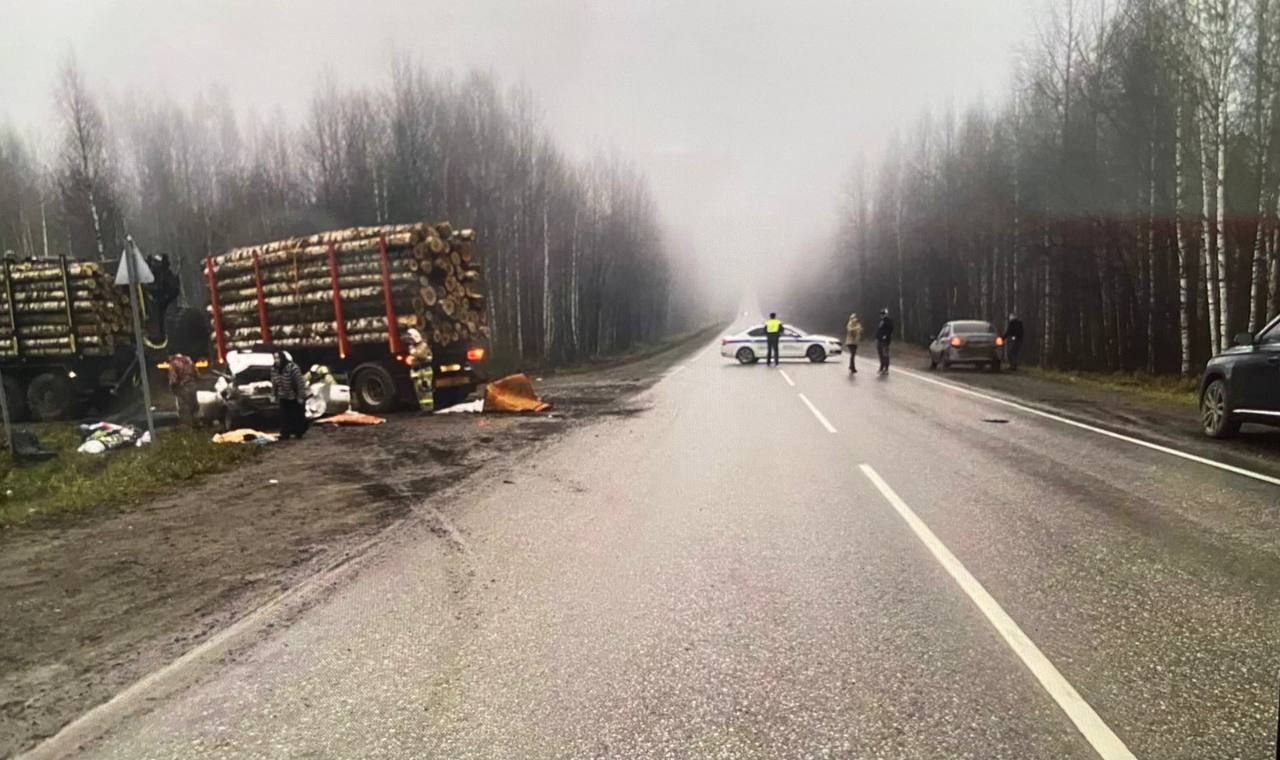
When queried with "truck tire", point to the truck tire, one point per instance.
{"points": [[51, 396], [374, 390], [15, 395]]}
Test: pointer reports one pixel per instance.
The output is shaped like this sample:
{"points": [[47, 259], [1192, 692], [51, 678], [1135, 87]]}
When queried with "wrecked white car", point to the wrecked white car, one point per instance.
{"points": [[243, 391]]}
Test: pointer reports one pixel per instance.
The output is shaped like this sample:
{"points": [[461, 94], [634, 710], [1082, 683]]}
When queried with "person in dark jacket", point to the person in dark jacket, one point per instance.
{"points": [[1013, 341], [291, 393], [884, 337]]}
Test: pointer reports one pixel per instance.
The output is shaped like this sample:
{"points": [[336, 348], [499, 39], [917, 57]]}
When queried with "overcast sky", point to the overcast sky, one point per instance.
{"points": [[745, 114]]}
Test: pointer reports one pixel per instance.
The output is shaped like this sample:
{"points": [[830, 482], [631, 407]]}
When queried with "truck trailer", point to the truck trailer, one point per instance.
{"points": [[66, 334], [345, 299]]}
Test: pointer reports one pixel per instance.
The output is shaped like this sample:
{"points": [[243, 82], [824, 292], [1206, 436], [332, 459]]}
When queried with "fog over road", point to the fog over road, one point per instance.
{"points": [[792, 563]]}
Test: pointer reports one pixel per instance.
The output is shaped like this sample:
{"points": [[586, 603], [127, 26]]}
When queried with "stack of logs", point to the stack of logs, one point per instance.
{"points": [[288, 286], [60, 308]]}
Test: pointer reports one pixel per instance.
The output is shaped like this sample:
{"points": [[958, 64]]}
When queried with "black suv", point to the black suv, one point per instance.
{"points": [[1242, 384]]}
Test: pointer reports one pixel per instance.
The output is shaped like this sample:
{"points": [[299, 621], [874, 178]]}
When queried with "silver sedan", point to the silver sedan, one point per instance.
{"points": [[966, 341]]}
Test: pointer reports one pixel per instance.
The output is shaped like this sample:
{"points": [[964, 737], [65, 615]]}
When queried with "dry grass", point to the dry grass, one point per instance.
{"points": [[1167, 388]]}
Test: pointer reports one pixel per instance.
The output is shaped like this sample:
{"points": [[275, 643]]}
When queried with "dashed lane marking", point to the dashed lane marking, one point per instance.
{"points": [[821, 418]]}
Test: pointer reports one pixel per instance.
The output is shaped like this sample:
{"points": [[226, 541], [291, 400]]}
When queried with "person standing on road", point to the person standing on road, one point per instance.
{"points": [[772, 337], [420, 370], [290, 391], [1013, 341], [884, 336], [182, 383], [853, 334]]}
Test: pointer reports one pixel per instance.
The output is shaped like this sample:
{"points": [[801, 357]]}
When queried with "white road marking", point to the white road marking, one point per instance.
{"points": [[1092, 429], [825, 422], [676, 370], [1095, 731], [787, 377]]}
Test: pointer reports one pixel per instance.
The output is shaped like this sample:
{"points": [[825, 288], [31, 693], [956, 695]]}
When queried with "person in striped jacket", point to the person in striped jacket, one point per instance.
{"points": [[291, 394]]}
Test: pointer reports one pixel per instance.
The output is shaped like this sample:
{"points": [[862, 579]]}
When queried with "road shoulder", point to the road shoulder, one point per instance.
{"points": [[1158, 421], [94, 606]]}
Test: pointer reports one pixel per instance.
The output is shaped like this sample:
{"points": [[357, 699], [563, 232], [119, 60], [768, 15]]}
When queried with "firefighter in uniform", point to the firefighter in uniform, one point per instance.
{"points": [[420, 371]]}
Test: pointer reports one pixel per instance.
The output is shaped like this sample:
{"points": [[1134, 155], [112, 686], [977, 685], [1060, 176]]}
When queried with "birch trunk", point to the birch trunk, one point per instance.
{"points": [[1184, 295]]}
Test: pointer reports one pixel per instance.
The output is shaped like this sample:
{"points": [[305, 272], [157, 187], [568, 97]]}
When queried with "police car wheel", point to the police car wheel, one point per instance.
{"points": [[746, 356], [816, 354]]}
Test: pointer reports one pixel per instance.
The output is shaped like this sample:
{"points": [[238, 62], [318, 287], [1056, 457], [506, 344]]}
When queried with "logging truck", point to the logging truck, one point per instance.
{"points": [[66, 337], [345, 299]]}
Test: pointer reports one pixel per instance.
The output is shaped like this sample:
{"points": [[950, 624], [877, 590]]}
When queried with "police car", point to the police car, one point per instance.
{"points": [[749, 347]]}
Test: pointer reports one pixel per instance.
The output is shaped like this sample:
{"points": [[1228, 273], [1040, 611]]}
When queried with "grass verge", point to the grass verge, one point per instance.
{"points": [[1166, 388], [74, 482]]}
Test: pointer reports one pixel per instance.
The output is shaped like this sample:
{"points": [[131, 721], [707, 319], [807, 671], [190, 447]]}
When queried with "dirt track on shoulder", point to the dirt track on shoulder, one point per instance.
{"points": [[92, 605]]}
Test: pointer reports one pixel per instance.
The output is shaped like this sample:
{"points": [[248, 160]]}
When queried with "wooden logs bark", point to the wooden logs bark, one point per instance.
{"points": [[431, 270]]}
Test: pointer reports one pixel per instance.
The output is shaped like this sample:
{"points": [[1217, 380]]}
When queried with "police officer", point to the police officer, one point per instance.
{"points": [[772, 336]]}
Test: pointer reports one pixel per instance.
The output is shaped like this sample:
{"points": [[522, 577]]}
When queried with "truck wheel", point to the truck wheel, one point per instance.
{"points": [[373, 390], [15, 395], [51, 396]]}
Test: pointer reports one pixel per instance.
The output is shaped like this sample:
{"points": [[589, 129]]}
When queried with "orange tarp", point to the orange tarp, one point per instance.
{"points": [[351, 418], [513, 393]]}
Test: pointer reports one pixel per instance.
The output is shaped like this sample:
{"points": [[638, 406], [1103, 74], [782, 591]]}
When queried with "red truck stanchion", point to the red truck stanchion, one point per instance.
{"points": [[262, 301], [338, 321], [393, 330], [220, 339]]}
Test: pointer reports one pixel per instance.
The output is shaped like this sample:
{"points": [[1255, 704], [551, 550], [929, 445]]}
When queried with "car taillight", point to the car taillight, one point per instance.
{"points": [[956, 342], [724, 341], [999, 341], [475, 354]]}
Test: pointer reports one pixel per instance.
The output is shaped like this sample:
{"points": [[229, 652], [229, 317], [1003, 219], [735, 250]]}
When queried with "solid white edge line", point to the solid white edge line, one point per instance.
{"points": [[787, 377], [825, 422], [676, 370], [1091, 726], [1091, 428]]}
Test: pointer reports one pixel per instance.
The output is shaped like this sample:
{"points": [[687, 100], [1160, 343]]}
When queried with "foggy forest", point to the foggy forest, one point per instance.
{"points": [[1122, 200], [573, 252]]}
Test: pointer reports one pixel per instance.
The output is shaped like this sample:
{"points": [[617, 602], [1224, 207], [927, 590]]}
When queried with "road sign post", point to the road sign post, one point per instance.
{"points": [[134, 272], [4, 417]]}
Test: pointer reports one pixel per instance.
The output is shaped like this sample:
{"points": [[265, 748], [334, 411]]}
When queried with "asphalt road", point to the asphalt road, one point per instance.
{"points": [[784, 564]]}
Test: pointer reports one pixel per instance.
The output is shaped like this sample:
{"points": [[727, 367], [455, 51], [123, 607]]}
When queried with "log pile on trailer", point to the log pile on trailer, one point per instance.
{"points": [[55, 308], [349, 287]]}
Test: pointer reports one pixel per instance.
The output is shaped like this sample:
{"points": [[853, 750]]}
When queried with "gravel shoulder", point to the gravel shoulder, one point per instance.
{"points": [[93, 605]]}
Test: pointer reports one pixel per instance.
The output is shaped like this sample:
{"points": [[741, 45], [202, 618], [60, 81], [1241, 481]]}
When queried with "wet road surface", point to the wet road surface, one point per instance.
{"points": [[776, 564]]}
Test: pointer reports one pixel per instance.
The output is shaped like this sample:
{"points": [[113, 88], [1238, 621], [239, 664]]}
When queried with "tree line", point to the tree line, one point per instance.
{"points": [[573, 253], [1124, 201]]}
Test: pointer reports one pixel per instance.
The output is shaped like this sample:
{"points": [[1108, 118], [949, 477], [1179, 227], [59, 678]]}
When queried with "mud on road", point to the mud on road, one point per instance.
{"points": [[93, 605]]}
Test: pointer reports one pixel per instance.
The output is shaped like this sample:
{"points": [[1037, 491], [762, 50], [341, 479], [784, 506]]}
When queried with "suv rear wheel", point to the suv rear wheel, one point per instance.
{"points": [[1215, 411]]}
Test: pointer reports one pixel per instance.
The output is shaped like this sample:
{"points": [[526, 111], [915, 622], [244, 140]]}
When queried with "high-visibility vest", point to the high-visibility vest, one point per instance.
{"points": [[773, 326]]}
